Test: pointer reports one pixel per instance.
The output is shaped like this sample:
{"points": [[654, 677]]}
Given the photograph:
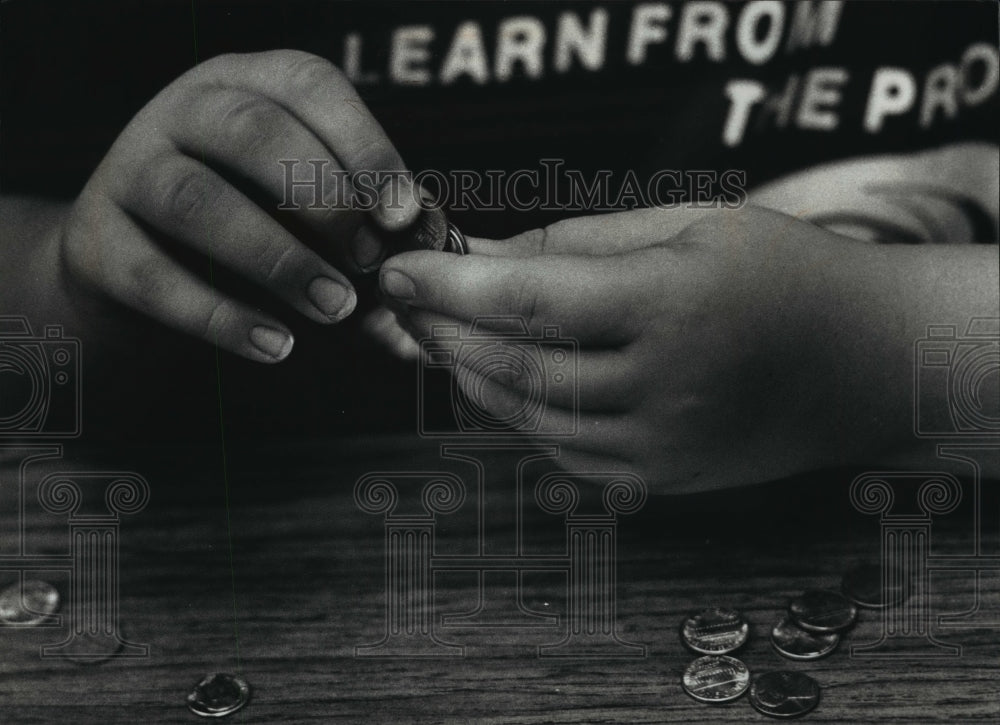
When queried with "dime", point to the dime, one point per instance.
{"points": [[784, 694], [28, 603], [863, 585], [716, 678], [715, 631], [819, 610], [218, 694], [796, 643]]}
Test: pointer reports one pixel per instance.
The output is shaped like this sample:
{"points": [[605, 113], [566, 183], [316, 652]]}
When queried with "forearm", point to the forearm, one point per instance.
{"points": [[895, 293]]}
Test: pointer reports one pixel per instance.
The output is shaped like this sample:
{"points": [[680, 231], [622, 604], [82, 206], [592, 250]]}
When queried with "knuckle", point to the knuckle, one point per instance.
{"points": [[182, 190], [307, 70], [278, 264], [252, 122], [218, 321]]}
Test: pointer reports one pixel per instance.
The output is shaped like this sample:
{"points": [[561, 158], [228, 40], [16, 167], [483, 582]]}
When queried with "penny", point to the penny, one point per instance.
{"points": [[28, 603], [218, 694], [796, 643], [716, 678], [715, 631], [864, 586], [820, 610], [784, 694]]}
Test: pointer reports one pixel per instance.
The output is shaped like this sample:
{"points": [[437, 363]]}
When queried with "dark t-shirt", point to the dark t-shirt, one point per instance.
{"points": [[622, 92]]}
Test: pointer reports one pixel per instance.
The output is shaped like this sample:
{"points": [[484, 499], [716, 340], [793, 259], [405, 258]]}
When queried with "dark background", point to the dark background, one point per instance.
{"points": [[74, 73]]}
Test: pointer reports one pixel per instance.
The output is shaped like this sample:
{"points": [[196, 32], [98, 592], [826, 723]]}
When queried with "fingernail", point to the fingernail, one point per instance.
{"points": [[331, 298], [273, 343], [397, 207], [367, 249], [398, 285]]}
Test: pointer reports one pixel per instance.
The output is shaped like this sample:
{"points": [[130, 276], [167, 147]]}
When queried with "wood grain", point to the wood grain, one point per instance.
{"points": [[284, 584]]}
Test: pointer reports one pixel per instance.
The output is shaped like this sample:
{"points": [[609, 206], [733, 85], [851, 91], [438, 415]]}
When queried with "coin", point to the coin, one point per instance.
{"points": [[456, 241], [820, 610], [218, 694], [784, 694], [796, 643], [716, 678], [864, 586], [28, 603], [715, 631]]}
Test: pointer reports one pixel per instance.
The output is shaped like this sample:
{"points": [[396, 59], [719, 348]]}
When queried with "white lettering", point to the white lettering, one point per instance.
{"points": [[648, 27], [408, 53], [520, 43], [893, 92], [752, 47]]}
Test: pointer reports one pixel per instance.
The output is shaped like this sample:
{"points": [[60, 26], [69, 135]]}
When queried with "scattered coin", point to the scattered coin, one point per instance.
{"points": [[28, 603], [218, 694], [716, 678], [784, 694], [863, 585], [820, 610], [715, 631], [796, 643]]}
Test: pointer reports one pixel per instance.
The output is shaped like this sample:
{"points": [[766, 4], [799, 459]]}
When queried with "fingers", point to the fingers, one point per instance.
{"points": [[590, 299], [496, 405], [590, 380], [604, 234], [318, 94], [250, 138], [115, 255], [191, 204], [384, 327]]}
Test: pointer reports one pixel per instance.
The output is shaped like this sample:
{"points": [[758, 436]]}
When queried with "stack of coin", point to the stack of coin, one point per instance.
{"points": [[812, 627]]}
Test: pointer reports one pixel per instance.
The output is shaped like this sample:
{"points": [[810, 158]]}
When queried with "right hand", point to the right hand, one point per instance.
{"points": [[197, 170]]}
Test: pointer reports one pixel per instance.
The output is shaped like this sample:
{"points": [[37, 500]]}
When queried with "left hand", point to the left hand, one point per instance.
{"points": [[716, 347]]}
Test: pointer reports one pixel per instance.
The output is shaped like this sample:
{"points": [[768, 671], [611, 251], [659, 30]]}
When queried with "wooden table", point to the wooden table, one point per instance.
{"points": [[282, 583]]}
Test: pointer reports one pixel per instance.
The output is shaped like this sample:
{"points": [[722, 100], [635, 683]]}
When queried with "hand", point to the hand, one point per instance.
{"points": [[716, 347], [196, 175]]}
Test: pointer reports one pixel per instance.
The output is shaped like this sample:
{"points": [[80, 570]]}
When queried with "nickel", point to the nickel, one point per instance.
{"points": [[716, 678], [784, 694], [796, 643], [820, 610], [715, 631], [28, 603]]}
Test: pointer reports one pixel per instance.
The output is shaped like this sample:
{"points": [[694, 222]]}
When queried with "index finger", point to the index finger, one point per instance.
{"points": [[600, 234]]}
